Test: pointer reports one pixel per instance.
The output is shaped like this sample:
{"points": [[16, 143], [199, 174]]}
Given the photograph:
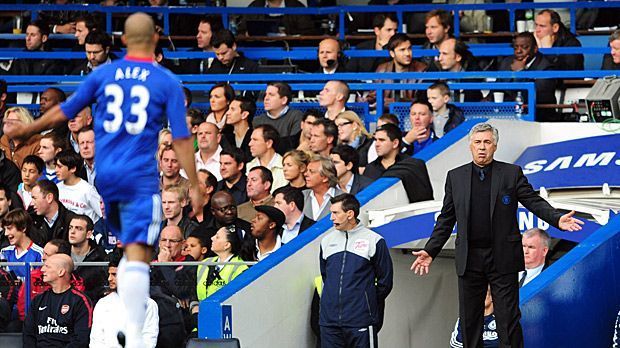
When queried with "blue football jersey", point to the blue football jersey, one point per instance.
{"points": [[34, 253], [133, 99]]}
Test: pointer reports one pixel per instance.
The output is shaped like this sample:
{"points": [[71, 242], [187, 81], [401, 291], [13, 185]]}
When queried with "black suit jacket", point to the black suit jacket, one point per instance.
{"points": [[508, 187], [360, 182], [42, 233], [306, 222]]}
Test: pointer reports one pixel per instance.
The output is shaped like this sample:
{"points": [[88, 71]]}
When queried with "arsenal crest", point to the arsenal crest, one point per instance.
{"points": [[64, 309]]}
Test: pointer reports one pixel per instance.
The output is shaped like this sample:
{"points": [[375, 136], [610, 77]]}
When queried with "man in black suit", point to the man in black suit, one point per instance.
{"points": [[482, 198], [527, 58], [290, 201], [346, 160]]}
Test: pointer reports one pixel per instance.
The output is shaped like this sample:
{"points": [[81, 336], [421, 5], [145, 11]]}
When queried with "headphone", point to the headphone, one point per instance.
{"points": [[340, 58]]}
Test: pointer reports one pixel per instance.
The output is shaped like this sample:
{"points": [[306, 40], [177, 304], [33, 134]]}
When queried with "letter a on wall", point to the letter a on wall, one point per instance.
{"points": [[227, 321]]}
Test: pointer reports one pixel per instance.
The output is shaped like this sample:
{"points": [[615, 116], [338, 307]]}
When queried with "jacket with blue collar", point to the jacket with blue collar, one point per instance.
{"points": [[357, 274]]}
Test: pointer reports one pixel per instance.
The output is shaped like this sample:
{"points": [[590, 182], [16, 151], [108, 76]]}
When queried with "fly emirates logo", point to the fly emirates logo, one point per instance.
{"points": [[565, 162], [52, 327]]}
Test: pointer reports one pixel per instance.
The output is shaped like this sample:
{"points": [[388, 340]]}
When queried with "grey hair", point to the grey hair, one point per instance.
{"points": [[328, 169], [614, 36], [484, 127], [544, 235]]}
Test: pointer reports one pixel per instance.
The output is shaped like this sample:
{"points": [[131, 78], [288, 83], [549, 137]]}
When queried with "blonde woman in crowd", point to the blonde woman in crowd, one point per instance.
{"points": [[352, 132], [16, 149], [295, 163]]}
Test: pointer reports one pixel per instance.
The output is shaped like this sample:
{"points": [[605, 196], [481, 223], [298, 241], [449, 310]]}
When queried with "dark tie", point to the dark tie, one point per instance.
{"points": [[522, 280], [481, 174]]}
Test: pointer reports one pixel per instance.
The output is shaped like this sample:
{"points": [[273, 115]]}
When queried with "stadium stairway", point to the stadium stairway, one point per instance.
{"points": [[573, 303]]}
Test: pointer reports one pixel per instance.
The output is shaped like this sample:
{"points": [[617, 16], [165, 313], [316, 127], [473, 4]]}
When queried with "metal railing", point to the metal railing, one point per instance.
{"points": [[300, 53], [27, 282], [379, 87], [343, 12]]}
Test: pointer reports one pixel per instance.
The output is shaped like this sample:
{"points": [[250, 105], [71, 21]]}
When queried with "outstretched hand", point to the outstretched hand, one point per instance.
{"points": [[422, 263], [569, 223]]}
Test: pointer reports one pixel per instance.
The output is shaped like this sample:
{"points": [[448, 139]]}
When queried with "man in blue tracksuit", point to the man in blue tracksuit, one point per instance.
{"points": [[357, 274]]}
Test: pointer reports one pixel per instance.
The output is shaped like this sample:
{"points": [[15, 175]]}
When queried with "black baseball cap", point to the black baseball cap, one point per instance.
{"points": [[275, 214]]}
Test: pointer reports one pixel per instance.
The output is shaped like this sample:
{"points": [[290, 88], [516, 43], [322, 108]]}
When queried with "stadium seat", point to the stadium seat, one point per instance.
{"points": [[211, 343], [11, 340]]}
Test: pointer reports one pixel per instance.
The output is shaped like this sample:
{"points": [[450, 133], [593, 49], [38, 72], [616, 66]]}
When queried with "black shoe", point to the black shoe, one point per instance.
{"points": [[120, 336]]}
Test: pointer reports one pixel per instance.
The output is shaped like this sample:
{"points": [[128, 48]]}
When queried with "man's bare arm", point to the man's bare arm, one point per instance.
{"points": [[52, 118], [184, 149]]}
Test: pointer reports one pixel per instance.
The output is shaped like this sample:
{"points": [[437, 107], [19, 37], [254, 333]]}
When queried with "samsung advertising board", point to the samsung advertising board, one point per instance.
{"points": [[581, 163]]}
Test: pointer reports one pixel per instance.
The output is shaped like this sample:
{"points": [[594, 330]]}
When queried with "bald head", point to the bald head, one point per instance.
{"points": [[139, 29], [342, 88], [62, 261], [222, 198], [328, 53], [57, 271], [171, 232], [223, 207], [170, 243]]}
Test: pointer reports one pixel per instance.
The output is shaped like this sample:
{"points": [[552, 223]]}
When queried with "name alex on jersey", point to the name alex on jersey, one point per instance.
{"points": [[131, 73]]}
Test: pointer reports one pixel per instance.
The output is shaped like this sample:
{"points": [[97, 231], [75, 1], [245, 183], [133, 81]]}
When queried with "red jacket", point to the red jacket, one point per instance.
{"points": [[37, 286]]}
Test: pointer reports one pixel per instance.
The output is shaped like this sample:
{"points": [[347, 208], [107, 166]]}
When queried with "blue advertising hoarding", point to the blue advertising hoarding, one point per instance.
{"points": [[580, 163], [421, 226]]}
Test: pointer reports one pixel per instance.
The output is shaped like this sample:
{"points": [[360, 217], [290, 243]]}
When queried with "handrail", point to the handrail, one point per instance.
{"points": [[302, 54], [378, 87], [157, 264], [465, 75], [27, 280], [341, 11]]}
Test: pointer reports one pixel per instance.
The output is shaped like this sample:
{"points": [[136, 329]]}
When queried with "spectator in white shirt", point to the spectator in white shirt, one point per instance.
{"points": [[208, 154], [535, 248], [109, 315], [322, 181], [74, 193], [263, 143]]}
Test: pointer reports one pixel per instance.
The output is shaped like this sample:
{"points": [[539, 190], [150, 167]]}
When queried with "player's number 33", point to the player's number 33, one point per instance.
{"points": [[140, 95]]}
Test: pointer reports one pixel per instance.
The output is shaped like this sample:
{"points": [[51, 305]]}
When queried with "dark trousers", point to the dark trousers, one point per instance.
{"points": [[481, 272], [348, 337]]}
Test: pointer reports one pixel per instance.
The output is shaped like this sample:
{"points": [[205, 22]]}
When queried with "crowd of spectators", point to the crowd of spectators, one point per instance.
{"points": [[254, 203], [453, 55], [266, 178]]}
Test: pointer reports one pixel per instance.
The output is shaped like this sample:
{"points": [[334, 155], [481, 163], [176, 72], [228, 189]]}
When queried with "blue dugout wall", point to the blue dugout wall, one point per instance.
{"points": [[574, 302]]}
